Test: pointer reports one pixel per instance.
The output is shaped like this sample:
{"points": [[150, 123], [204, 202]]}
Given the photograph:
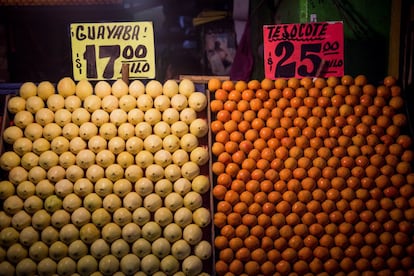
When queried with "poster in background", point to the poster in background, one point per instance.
{"points": [[220, 50], [304, 50], [100, 49]]}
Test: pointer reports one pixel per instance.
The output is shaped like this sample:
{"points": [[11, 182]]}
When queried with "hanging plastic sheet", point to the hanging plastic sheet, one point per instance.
{"points": [[243, 61]]}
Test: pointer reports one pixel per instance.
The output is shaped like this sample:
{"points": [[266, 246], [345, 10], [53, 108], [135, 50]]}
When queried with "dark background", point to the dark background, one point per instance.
{"points": [[38, 44], [35, 40]]}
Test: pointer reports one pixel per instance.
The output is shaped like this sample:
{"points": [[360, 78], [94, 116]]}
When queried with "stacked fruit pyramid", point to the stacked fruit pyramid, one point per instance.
{"points": [[110, 179], [312, 177]]}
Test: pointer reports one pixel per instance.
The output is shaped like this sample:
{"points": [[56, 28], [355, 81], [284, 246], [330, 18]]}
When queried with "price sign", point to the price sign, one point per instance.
{"points": [[100, 49], [304, 50]]}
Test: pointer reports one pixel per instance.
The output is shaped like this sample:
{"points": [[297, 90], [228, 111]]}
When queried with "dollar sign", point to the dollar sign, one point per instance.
{"points": [[270, 61], [78, 64]]}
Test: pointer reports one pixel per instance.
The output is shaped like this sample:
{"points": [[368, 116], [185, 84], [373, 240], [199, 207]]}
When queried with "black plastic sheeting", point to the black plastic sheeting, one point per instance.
{"points": [[9, 88]]}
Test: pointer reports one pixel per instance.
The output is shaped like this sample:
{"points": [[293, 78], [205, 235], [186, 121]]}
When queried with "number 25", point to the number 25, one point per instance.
{"points": [[285, 50]]}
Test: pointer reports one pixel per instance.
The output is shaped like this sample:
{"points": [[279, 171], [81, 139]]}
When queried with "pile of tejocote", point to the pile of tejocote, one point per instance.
{"points": [[312, 177], [105, 180]]}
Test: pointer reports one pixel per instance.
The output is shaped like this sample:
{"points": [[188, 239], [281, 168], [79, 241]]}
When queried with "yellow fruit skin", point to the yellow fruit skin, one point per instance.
{"points": [[83, 89], [27, 90], [66, 87], [45, 89]]}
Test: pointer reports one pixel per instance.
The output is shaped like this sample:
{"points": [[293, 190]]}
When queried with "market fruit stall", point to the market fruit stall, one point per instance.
{"points": [[270, 177]]}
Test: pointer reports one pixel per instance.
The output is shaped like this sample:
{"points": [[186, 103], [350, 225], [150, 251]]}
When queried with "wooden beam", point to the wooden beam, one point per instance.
{"points": [[203, 78]]}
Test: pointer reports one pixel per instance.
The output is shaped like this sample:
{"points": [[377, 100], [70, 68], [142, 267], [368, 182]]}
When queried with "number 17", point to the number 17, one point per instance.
{"points": [[111, 51]]}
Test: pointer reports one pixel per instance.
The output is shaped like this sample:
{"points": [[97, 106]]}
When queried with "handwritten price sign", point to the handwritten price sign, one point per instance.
{"points": [[304, 50], [100, 49]]}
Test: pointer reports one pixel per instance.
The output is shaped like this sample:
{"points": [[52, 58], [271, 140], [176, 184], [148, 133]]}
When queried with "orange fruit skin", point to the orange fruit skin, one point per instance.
{"points": [[213, 84], [253, 84], [236, 267], [221, 95], [236, 243], [240, 86], [219, 191], [219, 221], [226, 255], [227, 85], [252, 268], [221, 267]]}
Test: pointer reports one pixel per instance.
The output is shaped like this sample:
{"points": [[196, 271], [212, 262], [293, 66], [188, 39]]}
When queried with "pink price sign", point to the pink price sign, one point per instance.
{"points": [[304, 50]]}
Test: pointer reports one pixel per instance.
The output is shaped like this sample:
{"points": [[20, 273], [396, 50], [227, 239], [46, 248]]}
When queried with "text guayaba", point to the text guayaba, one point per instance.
{"points": [[105, 32], [302, 32]]}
